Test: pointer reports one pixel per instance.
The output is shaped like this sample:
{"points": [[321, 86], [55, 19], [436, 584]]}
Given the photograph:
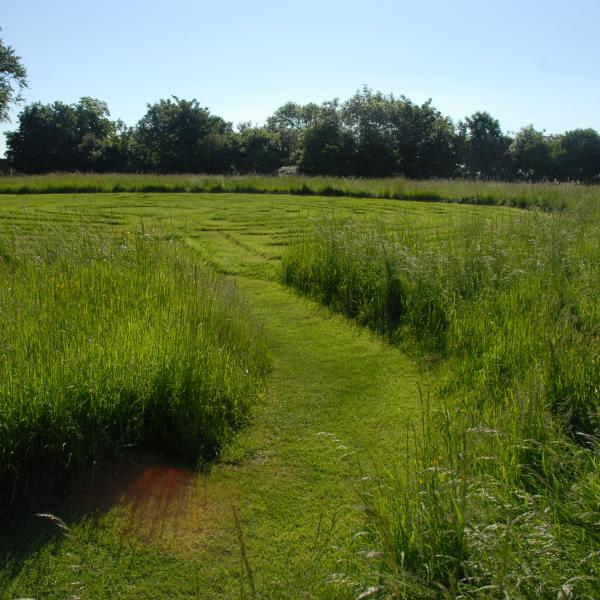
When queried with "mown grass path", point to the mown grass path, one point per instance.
{"points": [[337, 407], [331, 405]]}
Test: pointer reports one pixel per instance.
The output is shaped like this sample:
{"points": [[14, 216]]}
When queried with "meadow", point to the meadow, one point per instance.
{"points": [[462, 418], [547, 196]]}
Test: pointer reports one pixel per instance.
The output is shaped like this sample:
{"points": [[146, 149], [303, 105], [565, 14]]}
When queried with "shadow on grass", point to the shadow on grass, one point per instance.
{"points": [[156, 496]]}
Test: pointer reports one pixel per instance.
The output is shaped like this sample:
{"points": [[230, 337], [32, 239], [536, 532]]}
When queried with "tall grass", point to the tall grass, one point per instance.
{"points": [[487, 503], [111, 340], [548, 196], [502, 498], [508, 300]]}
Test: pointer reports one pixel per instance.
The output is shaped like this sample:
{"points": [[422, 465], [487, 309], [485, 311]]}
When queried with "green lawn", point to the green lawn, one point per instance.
{"points": [[337, 408]]}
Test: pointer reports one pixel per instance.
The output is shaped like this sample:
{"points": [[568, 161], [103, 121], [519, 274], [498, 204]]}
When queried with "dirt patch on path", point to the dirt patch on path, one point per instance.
{"points": [[157, 501]]}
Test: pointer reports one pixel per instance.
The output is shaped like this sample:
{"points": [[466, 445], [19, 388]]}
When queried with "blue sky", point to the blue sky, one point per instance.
{"points": [[523, 61]]}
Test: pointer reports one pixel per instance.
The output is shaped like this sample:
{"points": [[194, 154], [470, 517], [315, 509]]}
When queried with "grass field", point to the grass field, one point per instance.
{"points": [[342, 404]]}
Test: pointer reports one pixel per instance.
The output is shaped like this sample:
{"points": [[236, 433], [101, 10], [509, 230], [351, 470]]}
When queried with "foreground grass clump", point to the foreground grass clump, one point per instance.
{"points": [[490, 503], [503, 496], [110, 340], [547, 196]]}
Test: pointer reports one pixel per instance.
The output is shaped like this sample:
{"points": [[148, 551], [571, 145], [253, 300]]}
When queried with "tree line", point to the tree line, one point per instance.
{"points": [[369, 135]]}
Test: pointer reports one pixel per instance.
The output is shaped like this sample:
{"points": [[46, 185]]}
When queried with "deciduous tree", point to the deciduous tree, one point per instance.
{"points": [[13, 79], [486, 147], [327, 149], [530, 151], [259, 150], [289, 122], [577, 155], [179, 136], [61, 137]]}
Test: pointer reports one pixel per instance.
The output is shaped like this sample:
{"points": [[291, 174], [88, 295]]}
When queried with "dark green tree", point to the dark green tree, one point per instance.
{"points": [[485, 147], [424, 140], [327, 149], [289, 122], [531, 154], [45, 139], [436, 147], [179, 136], [395, 136], [117, 150], [61, 137], [577, 155], [367, 115], [259, 150], [95, 135], [13, 79]]}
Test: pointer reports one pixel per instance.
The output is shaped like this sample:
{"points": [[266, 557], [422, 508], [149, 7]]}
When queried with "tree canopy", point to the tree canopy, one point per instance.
{"points": [[177, 135], [62, 137], [531, 154], [485, 146], [368, 135], [13, 79]]}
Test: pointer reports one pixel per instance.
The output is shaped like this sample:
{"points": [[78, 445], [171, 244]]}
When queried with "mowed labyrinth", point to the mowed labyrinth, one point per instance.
{"points": [[337, 408], [240, 234]]}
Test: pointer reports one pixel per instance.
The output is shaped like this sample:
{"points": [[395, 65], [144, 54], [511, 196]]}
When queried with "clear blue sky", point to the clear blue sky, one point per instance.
{"points": [[523, 61]]}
